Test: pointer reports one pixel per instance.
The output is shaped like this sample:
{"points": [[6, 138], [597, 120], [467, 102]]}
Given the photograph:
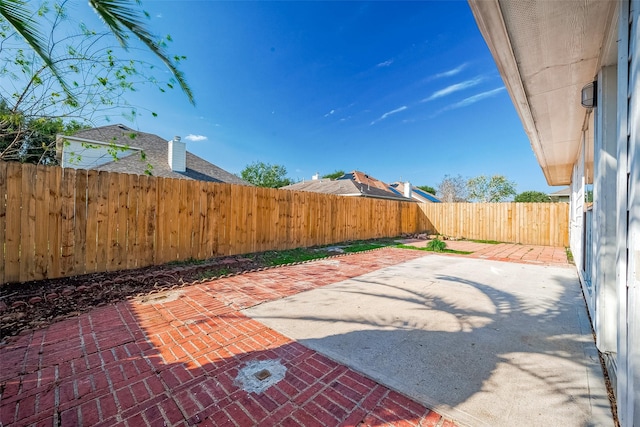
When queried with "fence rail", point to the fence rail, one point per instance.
{"points": [[62, 222]]}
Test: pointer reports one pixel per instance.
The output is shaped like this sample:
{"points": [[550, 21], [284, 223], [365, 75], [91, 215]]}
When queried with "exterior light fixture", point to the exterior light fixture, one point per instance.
{"points": [[588, 95]]}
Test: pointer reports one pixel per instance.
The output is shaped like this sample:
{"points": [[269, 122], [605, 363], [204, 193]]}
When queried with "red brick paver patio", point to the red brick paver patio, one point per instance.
{"points": [[172, 359], [533, 254]]}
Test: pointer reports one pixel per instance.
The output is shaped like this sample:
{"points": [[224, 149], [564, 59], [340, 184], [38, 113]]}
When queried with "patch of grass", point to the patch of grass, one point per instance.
{"points": [[294, 255], [306, 254], [271, 258], [448, 251], [188, 261], [368, 245], [569, 256], [209, 274], [490, 242], [436, 245]]}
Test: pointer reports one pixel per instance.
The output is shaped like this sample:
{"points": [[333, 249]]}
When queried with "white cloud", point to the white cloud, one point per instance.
{"points": [[195, 138], [385, 63], [453, 88], [389, 113], [330, 113], [451, 72], [473, 99]]}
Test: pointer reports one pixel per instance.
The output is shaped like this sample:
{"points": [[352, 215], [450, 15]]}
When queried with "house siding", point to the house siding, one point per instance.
{"points": [[604, 237], [628, 218], [603, 269], [88, 155], [606, 241]]}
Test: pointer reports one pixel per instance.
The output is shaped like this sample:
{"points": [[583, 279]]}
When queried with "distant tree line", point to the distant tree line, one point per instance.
{"points": [[267, 175], [482, 189]]}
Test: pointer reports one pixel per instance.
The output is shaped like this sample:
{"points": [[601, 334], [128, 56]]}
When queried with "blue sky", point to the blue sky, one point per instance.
{"points": [[399, 90]]}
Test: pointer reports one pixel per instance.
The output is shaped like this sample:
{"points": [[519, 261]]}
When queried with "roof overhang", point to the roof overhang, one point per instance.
{"points": [[546, 51], [60, 139]]}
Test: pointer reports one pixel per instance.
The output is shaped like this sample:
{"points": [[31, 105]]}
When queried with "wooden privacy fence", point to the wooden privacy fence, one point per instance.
{"points": [[61, 222], [526, 223]]}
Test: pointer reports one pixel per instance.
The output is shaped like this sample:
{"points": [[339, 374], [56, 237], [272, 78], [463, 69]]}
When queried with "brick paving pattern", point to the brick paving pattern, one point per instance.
{"points": [[509, 252], [172, 358]]}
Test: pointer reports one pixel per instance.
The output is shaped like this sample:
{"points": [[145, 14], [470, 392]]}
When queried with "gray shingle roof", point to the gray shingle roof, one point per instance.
{"points": [[562, 192], [347, 185], [326, 186], [156, 150]]}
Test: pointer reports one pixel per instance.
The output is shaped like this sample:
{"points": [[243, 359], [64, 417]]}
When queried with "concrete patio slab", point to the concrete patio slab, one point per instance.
{"points": [[482, 342]]}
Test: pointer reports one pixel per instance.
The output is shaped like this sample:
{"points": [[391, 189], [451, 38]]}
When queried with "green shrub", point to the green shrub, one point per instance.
{"points": [[436, 245]]}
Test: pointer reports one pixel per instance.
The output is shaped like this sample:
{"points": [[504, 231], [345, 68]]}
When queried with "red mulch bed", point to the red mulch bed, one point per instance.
{"points": [[31, 305]]}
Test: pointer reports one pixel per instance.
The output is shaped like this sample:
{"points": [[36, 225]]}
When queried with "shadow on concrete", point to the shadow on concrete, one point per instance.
{"points": [[514, 350]]}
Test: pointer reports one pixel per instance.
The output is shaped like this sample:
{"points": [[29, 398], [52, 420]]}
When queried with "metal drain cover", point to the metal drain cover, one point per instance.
{"points": [[262, 375], [258, 375]]}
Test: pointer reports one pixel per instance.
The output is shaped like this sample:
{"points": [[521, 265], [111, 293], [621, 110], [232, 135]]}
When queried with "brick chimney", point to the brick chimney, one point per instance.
{"points": [[177, 155]]}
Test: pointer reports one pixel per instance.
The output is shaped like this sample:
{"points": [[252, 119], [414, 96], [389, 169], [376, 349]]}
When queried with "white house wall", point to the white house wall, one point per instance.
{"points": [[546, 52], [576, 214], [88, 155], [603, 267], [611, 262], [633, 276], [581, 216], [628, 215]]}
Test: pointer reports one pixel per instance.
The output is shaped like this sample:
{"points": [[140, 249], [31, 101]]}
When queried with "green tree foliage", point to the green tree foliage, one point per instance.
{"points": [[427, 188], [334, 175], [85, 77], [493, 189], [265, 175], [123, 19], [532, 197], [452, 189], [31, 140], [588, 196]]}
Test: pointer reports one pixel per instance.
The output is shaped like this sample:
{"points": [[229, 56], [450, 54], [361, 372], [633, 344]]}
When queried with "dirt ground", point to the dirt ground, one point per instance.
{"points": [[30, 305]]}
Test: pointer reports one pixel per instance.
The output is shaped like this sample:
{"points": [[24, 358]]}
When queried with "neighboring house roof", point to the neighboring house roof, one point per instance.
{"points": [[326, 186], [564, 192], [416, 193], [156, 150], [563, 195], [356, 183], [364, 179]]}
